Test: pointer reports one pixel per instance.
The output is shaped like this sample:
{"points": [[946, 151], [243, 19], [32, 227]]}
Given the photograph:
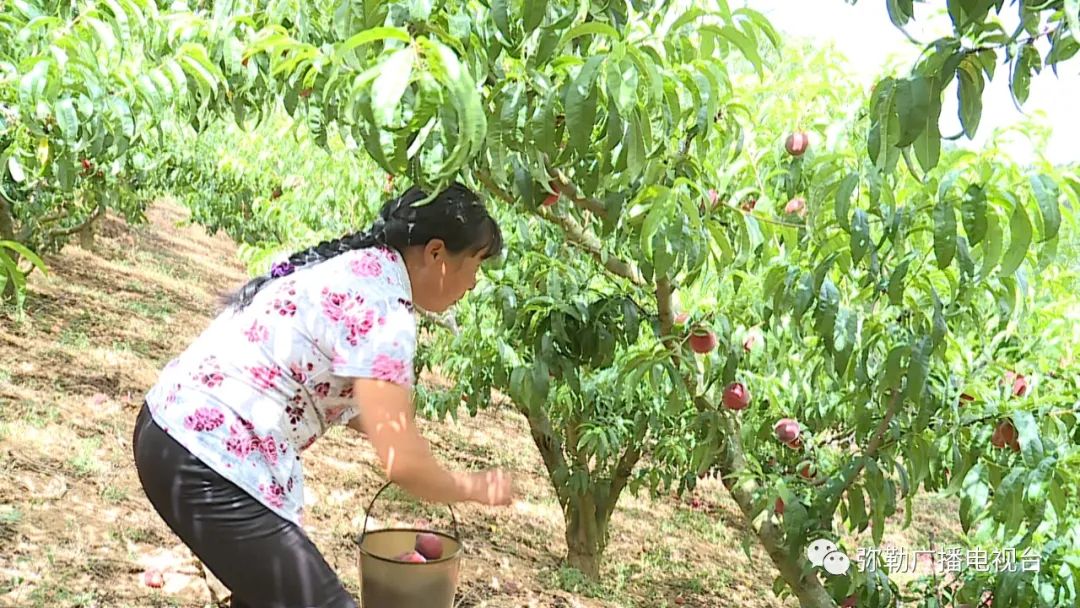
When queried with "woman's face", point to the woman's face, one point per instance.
{"points": [[441, 278]]}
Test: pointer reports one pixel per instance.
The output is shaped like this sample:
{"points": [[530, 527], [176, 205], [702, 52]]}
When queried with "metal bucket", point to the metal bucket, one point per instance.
{"points": [[388, 583]]}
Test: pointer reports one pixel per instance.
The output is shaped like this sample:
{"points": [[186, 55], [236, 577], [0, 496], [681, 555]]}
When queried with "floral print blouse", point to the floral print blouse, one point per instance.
{"points": [[261, 384]]}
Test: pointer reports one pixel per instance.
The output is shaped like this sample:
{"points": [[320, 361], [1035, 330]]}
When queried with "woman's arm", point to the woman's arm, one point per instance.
{"points": [[387, 415]]}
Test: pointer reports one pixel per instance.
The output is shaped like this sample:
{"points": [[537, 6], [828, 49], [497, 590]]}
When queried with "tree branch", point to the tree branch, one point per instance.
{"points": [[7, 221], [666, 312], [53, 235], [485, 178], [571, 192], [621, 475], [808, 589], [551, 450], [592, 245], [876, 440], [906, 153]]}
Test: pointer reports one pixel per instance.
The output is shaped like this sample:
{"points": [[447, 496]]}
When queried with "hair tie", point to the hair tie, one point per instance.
{"points": [[281, 269]]}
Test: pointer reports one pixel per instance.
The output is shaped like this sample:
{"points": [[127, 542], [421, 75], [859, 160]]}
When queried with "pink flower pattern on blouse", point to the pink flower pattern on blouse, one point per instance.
{"points": [[260, 385], [367, 266]]}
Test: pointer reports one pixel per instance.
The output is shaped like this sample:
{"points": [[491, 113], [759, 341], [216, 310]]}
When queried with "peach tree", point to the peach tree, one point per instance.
{"points": [[89, 93], [670, 241], [639, 181]]}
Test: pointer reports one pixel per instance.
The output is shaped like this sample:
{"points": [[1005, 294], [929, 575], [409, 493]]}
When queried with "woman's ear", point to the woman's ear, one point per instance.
{"points": [[434, 249]]}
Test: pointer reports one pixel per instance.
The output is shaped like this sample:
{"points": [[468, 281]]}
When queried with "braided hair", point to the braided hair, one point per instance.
{"points": [[455, 215]]}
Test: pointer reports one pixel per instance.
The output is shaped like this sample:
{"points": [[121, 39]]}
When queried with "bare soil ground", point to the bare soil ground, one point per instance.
{"points": [[76, 529]]}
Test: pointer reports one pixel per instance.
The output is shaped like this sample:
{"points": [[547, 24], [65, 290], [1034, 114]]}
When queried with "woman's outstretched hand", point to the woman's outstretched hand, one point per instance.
{"points": [[494, 487]]}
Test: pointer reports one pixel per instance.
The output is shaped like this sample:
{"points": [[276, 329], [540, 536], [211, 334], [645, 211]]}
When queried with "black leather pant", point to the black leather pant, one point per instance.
{"points": [[266, 561]]}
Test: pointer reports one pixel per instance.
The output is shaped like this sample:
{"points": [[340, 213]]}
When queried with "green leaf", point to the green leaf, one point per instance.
{"points": [[595, 28], [1007, 493], [1028, 61], [66, 118], [860, 235], [969, 97], [857, 509], [1058, 501], [973, 213], [581, 105], [658, 211], [913, 107], [939, 328], [744, 43], [963, 257], [373, 35], [390, 85], [1047, 195], [843, 199], [11, 269], [974, 496], [500, 14], [804, 295], [918, 369], [1072, 17], [944, 233], [1019, 240], [927, 145], [541, 382], [65, 170], [893, 367], [992, 245], [635, 147], [900, 11], [896, 282], [15, 169], [825, 315], [25, 252], [534, 14], [1027, 430]]}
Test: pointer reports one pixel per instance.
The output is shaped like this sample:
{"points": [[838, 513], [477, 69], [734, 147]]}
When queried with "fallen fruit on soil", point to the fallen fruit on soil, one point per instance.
{"points": [[429, 545], [153, 578]]}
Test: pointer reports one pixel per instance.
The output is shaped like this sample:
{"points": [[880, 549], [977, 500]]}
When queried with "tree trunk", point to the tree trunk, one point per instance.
{"points": [[586, 535], [7, 233], [807, 588], [7, 222], [86, 236]]}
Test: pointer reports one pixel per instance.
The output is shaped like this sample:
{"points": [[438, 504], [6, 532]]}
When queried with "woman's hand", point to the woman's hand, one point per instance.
{"points": [[494, 488], [386, 414]]}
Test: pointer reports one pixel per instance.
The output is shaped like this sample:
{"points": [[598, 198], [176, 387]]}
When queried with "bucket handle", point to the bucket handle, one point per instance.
{"points": [[367, 513]]}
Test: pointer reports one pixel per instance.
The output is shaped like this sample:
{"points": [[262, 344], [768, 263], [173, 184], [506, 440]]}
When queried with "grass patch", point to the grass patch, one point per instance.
{"points": [[113, 494], [32, 413], [10, 515], [573, 580], [85, 462], [74, 338], [160, 309]]}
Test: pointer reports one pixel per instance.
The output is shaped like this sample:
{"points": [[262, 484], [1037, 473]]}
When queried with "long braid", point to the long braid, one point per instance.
{"points": [[456, 215]]}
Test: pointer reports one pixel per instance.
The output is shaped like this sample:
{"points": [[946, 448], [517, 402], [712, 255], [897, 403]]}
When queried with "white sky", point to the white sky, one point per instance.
{"points": [[870, 41]]}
